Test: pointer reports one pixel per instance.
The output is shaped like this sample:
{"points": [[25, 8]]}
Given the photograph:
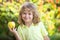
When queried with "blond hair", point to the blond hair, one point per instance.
{"points": [[32, 8]]}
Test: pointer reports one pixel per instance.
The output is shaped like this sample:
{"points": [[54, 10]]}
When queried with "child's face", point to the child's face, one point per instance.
{"points": [[27, 16]]}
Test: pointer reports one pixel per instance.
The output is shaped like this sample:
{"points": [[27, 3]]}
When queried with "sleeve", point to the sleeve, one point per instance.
{"points": [[43, 29], [19, 30]]}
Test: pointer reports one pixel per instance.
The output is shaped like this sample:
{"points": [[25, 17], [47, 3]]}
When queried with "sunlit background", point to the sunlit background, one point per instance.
{"points": [[49, 11]]}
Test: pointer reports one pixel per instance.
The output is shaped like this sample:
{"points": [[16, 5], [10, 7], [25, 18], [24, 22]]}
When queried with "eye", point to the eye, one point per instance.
{"points": [[24, 13], [29, 13]]}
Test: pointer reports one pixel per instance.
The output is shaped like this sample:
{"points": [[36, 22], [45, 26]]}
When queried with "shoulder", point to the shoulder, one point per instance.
{"points": [[19, 27], [40, 23]]}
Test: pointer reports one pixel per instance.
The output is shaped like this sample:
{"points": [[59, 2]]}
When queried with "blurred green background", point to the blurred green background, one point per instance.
{"points": [[49, 13]]}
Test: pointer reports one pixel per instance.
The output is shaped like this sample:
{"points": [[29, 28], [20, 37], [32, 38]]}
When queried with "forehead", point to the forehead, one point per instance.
{"points": [[27, 10]]}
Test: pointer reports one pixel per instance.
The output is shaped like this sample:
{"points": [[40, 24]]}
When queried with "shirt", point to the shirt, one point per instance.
{"points": [[34, 32]]}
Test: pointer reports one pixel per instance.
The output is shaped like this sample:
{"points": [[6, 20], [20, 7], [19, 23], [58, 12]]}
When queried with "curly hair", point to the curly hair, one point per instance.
{"points": [[36, 18]]}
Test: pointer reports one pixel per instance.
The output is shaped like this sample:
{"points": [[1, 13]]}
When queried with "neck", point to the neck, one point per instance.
{"points": [[28, 24]]}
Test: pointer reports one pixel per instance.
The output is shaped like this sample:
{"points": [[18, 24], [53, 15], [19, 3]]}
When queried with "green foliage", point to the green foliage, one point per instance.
{"points": [[7, 13], [56, 36]]}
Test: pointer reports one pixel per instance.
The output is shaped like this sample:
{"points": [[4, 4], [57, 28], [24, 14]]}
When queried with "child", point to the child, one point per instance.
{"points": [[30, 26]]}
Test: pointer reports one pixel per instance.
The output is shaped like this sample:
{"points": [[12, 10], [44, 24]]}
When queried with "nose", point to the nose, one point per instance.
{"points": [[26, 15]]}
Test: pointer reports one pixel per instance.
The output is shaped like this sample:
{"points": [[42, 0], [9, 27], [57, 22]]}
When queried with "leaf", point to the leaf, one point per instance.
{"points": [[0, 1]]}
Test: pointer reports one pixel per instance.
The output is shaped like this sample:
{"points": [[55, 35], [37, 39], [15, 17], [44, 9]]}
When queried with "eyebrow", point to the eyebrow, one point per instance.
{"points": [[27, 11]]}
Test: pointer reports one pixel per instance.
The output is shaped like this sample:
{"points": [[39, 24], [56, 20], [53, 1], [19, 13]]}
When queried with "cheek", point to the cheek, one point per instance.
{"points": [[31, 16], [22, 16]]}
